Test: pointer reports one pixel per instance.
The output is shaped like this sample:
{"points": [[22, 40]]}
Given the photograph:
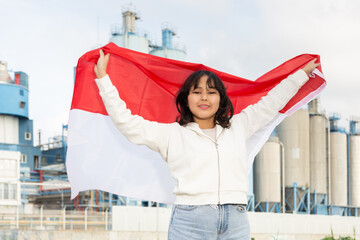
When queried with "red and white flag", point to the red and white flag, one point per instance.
{"points": [[100, 157]]}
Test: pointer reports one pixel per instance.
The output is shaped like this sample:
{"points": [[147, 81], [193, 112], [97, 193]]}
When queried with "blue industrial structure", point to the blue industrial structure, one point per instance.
{"points": [[18, 136], [334, 123], [54, 152], [167, 35], [16, 96], [14, 101]]}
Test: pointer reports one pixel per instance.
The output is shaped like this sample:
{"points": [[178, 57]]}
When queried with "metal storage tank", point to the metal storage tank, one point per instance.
{"points": [[318, 164], [126, 35], [338, 168], [168, 49], [267, 173], [319, 152], [294, 134], [355, 170], [354, 163]]}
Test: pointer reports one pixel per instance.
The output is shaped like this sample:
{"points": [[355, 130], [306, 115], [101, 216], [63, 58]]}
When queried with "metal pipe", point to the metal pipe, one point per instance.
{"points": [[348, 171], [86, 218], [110, 201], [64, 185], [17, 217], [64, 218], [283, 173], [294, 196], [308, 201], [41, 216], [62, 198], [106, 219], [328, 160], [157, 218], [91, 200], [41, 178], [126, 37]]}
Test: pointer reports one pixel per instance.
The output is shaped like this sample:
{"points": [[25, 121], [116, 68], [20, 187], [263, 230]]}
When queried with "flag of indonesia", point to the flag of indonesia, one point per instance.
{"points": [[100, 157]]}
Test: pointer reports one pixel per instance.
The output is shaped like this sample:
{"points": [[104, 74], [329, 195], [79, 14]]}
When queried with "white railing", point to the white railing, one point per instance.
{"points": [[57, 220]]}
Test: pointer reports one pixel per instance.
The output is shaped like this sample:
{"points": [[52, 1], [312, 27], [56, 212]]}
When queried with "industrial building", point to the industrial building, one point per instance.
{"points": [[311, 161], [25, 168], [18, 156], [310, 164]]}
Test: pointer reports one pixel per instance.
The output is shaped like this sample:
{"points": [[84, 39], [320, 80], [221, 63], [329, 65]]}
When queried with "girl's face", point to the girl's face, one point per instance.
{"points": [[203, 103]]}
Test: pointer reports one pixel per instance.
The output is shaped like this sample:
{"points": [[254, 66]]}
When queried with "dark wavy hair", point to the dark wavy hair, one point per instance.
{"points": [[226, 109]]}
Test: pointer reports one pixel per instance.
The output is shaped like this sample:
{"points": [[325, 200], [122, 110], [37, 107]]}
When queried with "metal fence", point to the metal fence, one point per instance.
{"points": [[57, 220]]}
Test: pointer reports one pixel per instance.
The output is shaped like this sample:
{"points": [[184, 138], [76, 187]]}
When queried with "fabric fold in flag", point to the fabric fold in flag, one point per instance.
{"points": [[100, 157]]}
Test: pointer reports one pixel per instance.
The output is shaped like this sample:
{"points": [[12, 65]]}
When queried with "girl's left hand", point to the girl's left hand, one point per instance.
{"points": [[311, 66]]}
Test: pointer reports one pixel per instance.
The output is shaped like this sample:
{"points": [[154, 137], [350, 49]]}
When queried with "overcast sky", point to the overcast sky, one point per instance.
{"points": [[244, 38]]}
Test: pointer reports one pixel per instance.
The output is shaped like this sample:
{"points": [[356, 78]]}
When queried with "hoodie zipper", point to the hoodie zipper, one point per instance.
{"points": [[217, 152], [218, 159]]}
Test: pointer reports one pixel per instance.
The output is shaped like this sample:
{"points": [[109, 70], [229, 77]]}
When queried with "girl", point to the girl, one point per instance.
{"points": [[205, 150]]}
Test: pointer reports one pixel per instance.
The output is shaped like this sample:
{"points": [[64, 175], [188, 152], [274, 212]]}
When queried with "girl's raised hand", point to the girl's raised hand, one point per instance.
{"points": [[101, 65], [311, 66]]}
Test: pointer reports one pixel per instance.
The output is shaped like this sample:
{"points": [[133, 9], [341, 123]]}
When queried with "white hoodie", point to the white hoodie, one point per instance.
{"points": [[207, 171]]}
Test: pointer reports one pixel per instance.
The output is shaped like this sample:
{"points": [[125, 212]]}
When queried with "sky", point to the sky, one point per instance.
{"points": [[45, 38]]}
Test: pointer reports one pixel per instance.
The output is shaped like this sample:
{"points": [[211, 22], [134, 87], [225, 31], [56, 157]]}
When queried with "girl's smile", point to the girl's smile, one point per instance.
{"points": [[204, 106]]}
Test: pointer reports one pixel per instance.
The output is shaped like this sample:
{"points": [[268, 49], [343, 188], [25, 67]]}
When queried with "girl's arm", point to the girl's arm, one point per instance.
{"points": [[135, 128], [258, 115]]}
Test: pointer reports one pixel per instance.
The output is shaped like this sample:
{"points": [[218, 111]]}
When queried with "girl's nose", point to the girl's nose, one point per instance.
{"points": [[203, 96]]}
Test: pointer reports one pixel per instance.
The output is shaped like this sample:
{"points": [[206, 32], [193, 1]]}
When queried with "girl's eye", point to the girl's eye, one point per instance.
{"points": [[212, 92], [196, 92]]}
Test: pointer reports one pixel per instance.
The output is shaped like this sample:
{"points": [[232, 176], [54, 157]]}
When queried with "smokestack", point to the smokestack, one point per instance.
{"points": [[129, 17], [4, 75]]}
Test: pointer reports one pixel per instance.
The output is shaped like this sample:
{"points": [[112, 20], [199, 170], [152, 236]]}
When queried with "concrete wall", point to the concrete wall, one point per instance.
{"points": [[79, 235], [301, 226], [134, 218], [151, 224], [262, 225]]}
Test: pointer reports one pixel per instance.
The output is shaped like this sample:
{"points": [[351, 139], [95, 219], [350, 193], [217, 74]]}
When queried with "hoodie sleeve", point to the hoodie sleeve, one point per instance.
{"points": [[135, 128], [255, 116]]}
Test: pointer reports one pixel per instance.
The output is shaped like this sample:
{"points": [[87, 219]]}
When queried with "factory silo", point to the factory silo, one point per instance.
{"points": [[354, 163], [338, 163], [267, 175], [168, 48], [293, 132], [318, 152], [251, 189], [127, 35]]}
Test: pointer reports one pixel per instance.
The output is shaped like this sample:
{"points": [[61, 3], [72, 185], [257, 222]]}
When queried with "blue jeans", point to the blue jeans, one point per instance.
{"points": [[209, 222]]}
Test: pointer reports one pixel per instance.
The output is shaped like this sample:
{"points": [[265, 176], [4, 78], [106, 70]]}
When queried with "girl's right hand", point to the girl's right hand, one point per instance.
{"points": [[101, 65], [311, 66]]}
